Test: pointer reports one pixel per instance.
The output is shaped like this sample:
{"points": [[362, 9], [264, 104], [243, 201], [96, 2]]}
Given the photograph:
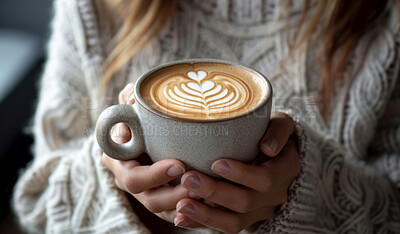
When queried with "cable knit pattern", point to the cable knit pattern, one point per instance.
{"points": [[350, 175]]}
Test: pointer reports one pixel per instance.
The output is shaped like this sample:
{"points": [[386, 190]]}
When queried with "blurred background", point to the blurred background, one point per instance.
{"points": [[24, 31]]}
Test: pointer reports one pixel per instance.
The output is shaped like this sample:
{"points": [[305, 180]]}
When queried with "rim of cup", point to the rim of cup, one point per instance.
{"points": [[140, 100]]}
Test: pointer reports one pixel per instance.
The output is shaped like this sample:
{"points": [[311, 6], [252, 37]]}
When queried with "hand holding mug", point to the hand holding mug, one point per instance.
{"points": [[264, 186], [186, 113], [261, 188], [143, 181]]}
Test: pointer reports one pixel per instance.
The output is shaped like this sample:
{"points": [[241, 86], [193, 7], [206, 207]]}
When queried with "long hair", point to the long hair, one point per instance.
{"points": [[341, 25], [134, 23]]}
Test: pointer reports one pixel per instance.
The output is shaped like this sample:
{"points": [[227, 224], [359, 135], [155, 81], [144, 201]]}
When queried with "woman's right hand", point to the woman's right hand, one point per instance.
{"points": [[147, 183]]}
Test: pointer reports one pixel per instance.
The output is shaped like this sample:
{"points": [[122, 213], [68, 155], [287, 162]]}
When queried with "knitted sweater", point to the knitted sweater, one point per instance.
{"points": [[350, 164]]}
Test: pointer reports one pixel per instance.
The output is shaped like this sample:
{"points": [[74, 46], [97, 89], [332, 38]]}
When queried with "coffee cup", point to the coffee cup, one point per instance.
{"points": [[196, 111]]}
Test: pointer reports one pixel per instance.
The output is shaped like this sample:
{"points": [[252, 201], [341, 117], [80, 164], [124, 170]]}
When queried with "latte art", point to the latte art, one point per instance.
{"points": [[205, 94], [201, 93]]}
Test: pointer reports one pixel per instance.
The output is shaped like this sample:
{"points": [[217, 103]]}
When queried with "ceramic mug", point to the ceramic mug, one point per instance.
{"points": [[197, 143]]}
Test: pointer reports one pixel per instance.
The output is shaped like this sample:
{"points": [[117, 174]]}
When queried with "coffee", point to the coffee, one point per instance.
{"points": [[204, 90]]}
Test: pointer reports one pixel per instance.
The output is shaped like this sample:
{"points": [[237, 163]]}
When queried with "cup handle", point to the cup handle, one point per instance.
{"points": [[120, 114]]}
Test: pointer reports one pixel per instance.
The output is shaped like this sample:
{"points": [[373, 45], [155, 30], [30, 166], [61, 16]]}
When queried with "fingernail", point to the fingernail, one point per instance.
{"points": [[175, 171], [221, 167], [187, 209], [192, 182], [193, 195], [131, 99], [182, 223], [271, 144]]}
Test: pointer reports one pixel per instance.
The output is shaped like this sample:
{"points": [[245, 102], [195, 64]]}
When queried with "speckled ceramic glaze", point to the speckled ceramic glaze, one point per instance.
{"points": [[197, 143]]}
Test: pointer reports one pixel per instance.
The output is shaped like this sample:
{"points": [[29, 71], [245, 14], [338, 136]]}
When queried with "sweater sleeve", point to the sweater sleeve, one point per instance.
{"points": [[385, 147], [336, 193], [66, 188]]}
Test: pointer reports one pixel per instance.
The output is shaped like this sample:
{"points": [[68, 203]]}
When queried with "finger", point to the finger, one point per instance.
{"points": [[266, 187], [280, 127], [114, 165], [126, 95], [161, 199], [168, 215], [118, 184], [222, 220], [209, 203], [185, 222], [136, 178], [120, 133], [142, 178], [292, 142], [256, 177], [270, 174], [225, 194], [285, 166]]}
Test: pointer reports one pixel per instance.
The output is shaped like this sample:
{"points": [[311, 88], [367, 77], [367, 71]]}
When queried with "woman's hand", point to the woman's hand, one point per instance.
{"points": [[259, 188], [143, 182]]}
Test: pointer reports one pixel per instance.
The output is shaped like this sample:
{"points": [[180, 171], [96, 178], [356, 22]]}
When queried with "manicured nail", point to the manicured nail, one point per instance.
{"points": [[221, 167], [175, 171], [187, 209], [271, 144], [182, 223], [192, 182]]}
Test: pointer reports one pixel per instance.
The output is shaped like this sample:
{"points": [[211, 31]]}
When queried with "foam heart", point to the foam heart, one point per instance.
{"points": [[208, 85], [199, 76]]}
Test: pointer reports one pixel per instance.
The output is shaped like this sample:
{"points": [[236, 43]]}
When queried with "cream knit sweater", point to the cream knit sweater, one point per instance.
{"points": [[350, 176]]}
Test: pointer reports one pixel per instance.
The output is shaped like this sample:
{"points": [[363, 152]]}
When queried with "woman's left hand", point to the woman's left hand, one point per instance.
{"points": [[259, 188]]}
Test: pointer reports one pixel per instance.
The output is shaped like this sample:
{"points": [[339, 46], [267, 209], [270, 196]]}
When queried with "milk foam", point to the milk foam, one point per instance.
{"points": [[202, 93], [212, 95]]}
